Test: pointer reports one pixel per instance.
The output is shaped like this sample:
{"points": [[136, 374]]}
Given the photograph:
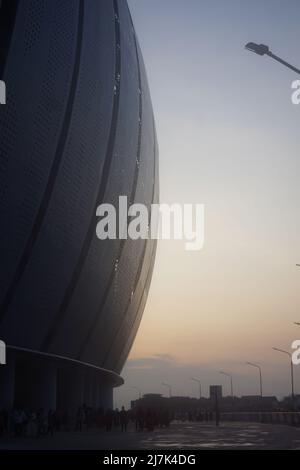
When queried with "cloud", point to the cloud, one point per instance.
{"points": [[157, 361]]}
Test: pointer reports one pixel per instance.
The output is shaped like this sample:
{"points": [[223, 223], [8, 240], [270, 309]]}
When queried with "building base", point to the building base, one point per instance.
{"points": [[32, 381]]}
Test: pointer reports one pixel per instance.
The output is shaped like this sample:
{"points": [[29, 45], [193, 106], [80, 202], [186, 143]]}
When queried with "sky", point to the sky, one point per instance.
{"points": [[228, 138]]}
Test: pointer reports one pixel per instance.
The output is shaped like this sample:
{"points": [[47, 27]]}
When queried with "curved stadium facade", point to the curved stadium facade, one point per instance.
{"points": [[77, 131]]}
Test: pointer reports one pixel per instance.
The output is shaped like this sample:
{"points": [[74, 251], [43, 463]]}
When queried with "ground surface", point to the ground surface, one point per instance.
{"points": [[178, 436]]}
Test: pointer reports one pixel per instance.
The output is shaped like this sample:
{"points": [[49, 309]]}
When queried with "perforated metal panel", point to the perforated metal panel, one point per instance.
{"points": [[34, 20], [77, 131]]}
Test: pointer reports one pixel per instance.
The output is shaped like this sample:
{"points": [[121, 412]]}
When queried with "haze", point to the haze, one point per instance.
{"points": [[228, 136]]}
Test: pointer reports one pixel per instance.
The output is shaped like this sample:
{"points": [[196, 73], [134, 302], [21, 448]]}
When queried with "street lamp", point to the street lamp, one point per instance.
{"points": [[199, 382], [292, 367], [169, 388], [138, 390], [231, 382], [260, 376], [262, 49]]}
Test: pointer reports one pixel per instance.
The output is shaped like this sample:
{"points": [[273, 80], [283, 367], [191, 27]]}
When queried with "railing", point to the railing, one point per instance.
{"points": [[290, 418]]}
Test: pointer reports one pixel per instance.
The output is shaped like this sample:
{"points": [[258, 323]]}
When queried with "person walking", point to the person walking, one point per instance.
{"points": [[123, 419]]}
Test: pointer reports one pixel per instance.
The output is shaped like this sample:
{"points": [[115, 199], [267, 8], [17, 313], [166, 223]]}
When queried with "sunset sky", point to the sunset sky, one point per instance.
{"points": [[228, 135]]}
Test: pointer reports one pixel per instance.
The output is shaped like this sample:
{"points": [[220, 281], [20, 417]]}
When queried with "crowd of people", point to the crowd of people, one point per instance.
{"points": [[150, 418], [38, 423], [195, 415], [22, 423]]}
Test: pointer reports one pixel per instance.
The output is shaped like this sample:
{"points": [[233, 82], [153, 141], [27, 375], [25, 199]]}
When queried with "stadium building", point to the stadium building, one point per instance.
{"points": [[77, 131]]}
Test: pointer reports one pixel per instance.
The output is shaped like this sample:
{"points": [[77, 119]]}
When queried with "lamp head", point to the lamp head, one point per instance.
{"points": [[259, 49]]}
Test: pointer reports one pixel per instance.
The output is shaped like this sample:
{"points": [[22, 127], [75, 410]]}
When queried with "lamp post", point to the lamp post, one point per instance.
{"points": [[292, 367], [257, 366], [169, 388], [231, 381], [262, 49], [199, 383]]}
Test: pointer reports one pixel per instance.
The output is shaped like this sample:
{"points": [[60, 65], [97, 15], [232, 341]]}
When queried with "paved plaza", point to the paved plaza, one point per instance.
{"points": [[178, 436]]}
